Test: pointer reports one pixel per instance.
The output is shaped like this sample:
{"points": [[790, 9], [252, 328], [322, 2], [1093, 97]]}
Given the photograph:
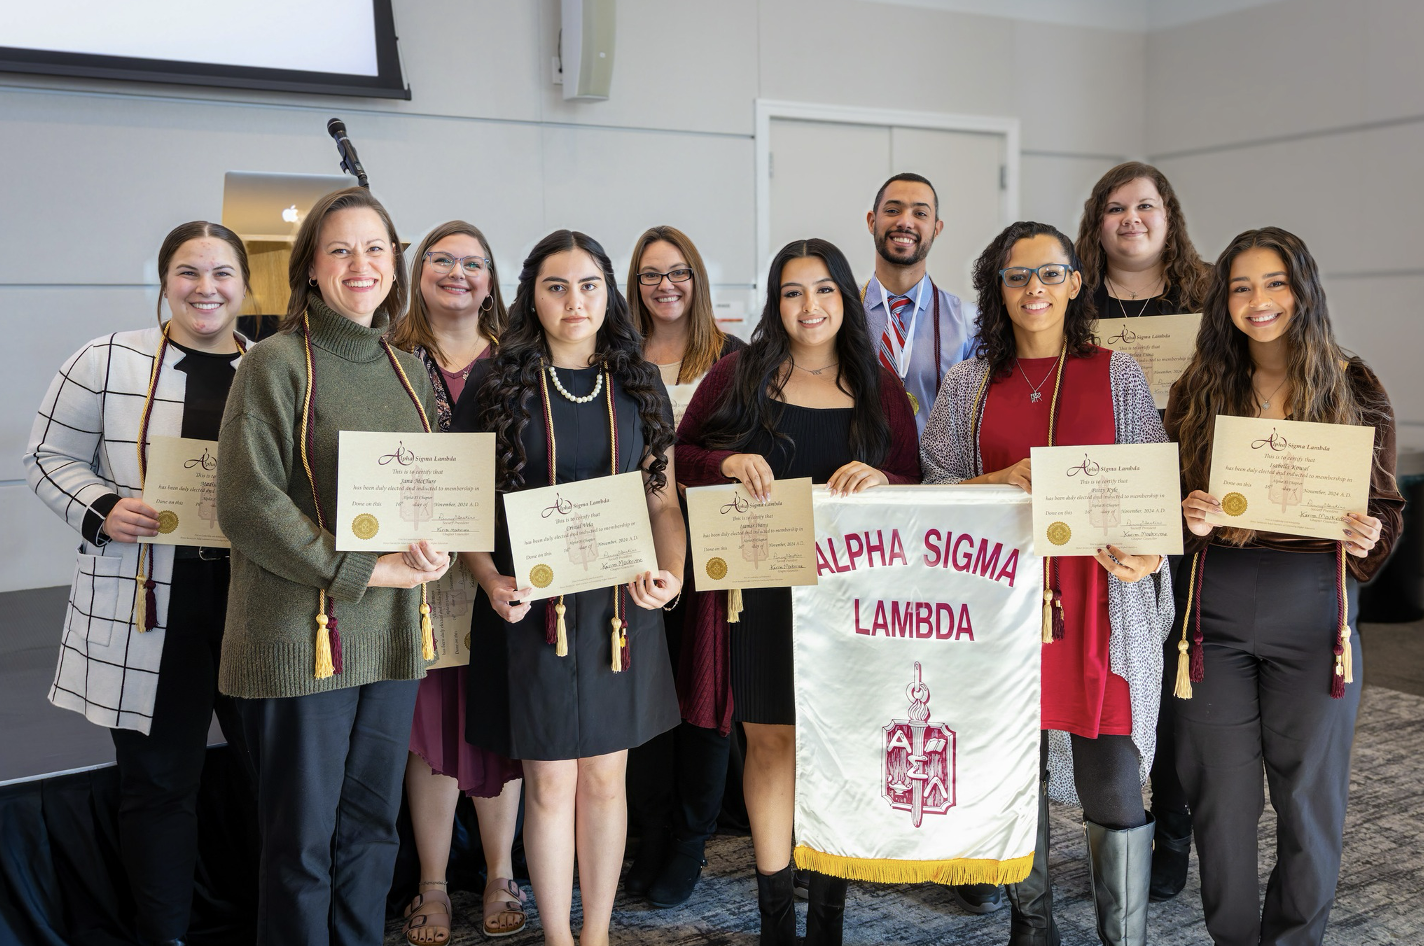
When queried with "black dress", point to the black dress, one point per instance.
{"points": [[524, 702], [763, 688], [1110, 307]]}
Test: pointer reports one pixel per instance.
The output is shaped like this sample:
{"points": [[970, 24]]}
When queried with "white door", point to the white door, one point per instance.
{"points": [[824, 176]]}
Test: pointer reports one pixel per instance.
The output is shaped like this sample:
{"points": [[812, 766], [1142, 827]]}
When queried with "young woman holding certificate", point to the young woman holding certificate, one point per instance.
{"points": [[323, 647], [675, 781], [455, 319], [1037, 380], [807, 398], [1139, 261], [1269, 663], [145, 622], [569, 397]]}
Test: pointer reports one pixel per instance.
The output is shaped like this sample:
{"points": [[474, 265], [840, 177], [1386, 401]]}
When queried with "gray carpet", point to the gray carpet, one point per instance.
{"points": [[1380, 899]]}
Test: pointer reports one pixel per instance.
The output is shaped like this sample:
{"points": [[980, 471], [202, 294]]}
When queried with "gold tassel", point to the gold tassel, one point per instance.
{"points": [[561, 646], [1345, 653], [141, 602], [1183, 689], [1047, 637], [427, 632], [324, 666], [617, 664], [734, 605]]}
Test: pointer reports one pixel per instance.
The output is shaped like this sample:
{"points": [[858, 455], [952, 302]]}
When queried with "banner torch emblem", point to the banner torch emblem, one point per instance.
{"points": [[918, 774]]}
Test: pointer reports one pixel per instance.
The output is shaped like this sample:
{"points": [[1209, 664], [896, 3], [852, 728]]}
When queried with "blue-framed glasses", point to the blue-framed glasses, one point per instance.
{"points": [[1050, 274]]}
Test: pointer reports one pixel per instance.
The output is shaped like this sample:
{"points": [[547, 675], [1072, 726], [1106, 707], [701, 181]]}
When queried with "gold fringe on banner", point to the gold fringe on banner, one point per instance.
{"points": [[953, 872]]}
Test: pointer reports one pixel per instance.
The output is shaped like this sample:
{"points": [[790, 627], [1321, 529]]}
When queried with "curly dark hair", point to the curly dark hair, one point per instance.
{"points": [[996, 330], [503, 399], [750, 402]]}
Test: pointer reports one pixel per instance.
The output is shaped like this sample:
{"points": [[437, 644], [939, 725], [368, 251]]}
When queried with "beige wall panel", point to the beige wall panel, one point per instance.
{"points": [[45, 555], [1378, 318], [1054, 188], [1077, 89], [474, 58]]}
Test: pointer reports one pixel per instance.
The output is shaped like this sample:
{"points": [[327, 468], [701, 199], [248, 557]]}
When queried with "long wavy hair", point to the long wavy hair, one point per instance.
{"points": [[304, 250], [1218, 380], [414, 327], [752, 403], [197, 230], [523, 353], [1183, 268], [704, 338], [996, 342]]}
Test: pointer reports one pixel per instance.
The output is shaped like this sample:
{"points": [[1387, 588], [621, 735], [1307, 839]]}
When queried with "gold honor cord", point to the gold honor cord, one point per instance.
{"points": [[145, 608]]}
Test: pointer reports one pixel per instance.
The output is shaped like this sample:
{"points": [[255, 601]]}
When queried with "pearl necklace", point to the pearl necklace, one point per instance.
{"points": [[559, 386]]}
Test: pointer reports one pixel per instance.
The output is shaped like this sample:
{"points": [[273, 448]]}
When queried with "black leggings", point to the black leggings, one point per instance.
{"points": [[1105, 774]]}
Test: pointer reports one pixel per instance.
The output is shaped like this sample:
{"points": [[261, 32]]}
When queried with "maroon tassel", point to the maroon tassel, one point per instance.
{"points": [[335, 641], [1198, 651], [551, 623], [150, 605], [1057, 615], [1337, 677], [623, 646]]}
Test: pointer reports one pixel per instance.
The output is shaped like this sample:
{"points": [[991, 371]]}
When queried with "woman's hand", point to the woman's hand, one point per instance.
{"points": [[421, 557], [1127, 568], [1195, 507], [752, 471], [392, 571], [509, 601], [1361, 533], [1017, 475], [652, 590], [129, 519], [854, 477]]}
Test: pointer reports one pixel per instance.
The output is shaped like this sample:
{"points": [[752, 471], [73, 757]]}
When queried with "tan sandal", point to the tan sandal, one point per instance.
{"points": [[510, 917], [423, 924]]}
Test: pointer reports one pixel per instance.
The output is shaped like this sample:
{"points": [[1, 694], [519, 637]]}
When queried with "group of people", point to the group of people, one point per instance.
{"points": [[314, 659]]}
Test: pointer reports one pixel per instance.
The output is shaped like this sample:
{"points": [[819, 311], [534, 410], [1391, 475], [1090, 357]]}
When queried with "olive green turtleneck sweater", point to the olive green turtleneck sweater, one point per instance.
{"points": [[279, 556]]}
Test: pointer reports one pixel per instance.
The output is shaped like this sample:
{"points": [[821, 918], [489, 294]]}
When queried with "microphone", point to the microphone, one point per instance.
{"points": [[351, 164]]}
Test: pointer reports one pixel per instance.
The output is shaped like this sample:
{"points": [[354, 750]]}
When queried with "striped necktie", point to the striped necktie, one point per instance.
{"points": [[895, 322]]}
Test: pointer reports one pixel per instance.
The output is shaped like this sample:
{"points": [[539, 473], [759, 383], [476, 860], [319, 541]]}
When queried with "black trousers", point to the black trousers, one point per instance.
{"points": [[1269, 621], [1169, 799], [329, 772], [159, 773]]}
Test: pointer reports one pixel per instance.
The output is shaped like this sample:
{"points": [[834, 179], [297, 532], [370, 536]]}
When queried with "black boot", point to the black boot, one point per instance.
{"points": [[778, 915], [1121, 861], [1031, 899], [1171, 847], [648, 862], [679, 875], [825, 916]]}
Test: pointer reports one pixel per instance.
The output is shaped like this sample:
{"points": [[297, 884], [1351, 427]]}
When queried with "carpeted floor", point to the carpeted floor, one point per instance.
{"points": [[1380, 899]]}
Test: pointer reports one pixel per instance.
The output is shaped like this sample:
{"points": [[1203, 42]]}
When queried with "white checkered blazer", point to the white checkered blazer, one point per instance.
{"points": [[83, 447]]}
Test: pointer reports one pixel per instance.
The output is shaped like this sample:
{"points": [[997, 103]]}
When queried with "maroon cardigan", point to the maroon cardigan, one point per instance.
{"points": [[704, 684]]}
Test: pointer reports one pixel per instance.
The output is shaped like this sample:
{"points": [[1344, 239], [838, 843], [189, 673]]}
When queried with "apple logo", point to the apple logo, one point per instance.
{"points": [[290, 214]]}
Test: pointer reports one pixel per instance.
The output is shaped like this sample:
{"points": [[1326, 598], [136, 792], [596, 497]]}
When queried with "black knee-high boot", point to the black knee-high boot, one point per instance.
{"points": [[778, 915], [825, 914], [1121, 862], [1031, 899]]}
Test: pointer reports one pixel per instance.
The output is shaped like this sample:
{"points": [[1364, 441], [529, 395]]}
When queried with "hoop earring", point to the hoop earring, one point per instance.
{"points": [[311, 282], [488, 304]]}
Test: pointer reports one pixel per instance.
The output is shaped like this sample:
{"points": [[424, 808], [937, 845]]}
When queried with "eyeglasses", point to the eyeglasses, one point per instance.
{"points": [[1050, 274], [443, 263], [673, 275]]}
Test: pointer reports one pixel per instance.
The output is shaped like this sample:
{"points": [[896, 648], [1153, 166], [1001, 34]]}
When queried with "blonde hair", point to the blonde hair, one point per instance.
{"points": [[704, 338]]}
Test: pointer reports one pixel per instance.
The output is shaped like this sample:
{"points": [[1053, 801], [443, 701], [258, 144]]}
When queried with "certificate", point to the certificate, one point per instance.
{"points": [[738, 542], [181, 483], [393, 489], [1288, 476], [580, 536], [1087, 497], [1163, 346], [452, 599]]}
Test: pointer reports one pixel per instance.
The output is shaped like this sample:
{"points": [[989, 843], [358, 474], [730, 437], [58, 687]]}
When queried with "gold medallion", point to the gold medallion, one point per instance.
{"points": [[541, 575], [1233, 504], [467, 643], [914, 403], [1059, 533], [365, 526], [716, 569], [167, 521]]}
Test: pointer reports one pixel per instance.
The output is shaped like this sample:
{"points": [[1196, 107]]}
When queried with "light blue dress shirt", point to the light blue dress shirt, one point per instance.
{"points": [[956, 338]]}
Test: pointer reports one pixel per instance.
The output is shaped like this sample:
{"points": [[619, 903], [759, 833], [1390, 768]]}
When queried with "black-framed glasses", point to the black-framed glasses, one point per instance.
{"points": [[673, 275], [443, 263], [1050, 274]]}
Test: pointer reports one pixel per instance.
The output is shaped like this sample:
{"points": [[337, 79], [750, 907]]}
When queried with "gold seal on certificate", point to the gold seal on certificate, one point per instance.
{"points": [[1290, 477], [581, 536], [1162, 345], [738, 542], [393, 489], [1089, 497], [181, 484], [452, 600]]}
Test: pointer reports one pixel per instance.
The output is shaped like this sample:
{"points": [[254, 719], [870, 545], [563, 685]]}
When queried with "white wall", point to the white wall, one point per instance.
{"points": [[1309, 115], [92, 174]]}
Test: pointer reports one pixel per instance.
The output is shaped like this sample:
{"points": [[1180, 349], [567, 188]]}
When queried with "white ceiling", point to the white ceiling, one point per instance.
{"points": [[1138, 16]]}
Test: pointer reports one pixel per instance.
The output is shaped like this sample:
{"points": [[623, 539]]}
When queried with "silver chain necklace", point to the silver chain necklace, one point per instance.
{"points": [[1145, 302], [559, 386], [1035, 396]]}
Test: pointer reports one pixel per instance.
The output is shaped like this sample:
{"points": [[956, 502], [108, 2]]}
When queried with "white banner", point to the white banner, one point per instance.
{"points": [[917, 687]]}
